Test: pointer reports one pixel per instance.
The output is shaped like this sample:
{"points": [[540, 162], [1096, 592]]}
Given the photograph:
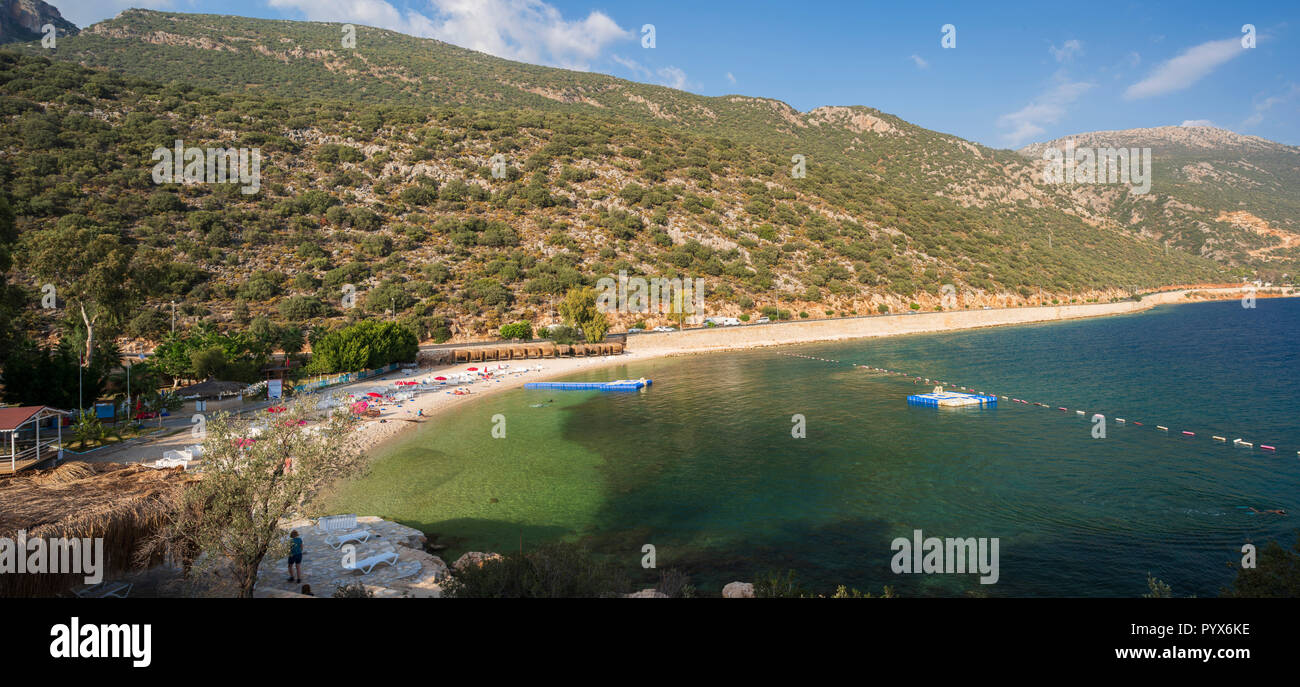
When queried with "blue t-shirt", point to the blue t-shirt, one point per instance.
{"points": [[295, 546]]}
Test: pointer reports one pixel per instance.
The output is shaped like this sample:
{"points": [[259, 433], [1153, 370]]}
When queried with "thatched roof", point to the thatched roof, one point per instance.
{"points": [[212, 387], [77, 495], [121, 503]]}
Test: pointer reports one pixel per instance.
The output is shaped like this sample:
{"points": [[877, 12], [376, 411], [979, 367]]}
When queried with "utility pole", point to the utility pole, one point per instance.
{"points": [[173, 318]]}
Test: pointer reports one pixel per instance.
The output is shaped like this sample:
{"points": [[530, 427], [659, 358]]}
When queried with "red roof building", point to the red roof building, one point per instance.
{"points": [[30, 436]]}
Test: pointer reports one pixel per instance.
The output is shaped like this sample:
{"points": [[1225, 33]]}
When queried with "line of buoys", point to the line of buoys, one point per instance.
{"points": [[1119, 420]]}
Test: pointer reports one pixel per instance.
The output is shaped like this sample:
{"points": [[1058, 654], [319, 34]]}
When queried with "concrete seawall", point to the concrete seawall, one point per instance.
{"points": [[775, 334]]}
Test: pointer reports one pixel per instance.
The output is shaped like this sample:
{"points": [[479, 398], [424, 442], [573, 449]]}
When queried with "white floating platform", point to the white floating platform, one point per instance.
{"points": [[952, 399]]}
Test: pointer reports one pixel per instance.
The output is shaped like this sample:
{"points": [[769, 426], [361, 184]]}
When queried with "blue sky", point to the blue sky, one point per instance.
{"points": [[1020, 71]]}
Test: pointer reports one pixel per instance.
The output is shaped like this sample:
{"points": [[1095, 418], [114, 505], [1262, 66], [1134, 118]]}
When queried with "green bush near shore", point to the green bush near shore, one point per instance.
{"points": [[522, 331], [365, 345], [560, 570]]}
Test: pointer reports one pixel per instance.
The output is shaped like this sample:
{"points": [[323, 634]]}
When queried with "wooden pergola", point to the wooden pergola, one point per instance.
{"points": [[20, 434]]}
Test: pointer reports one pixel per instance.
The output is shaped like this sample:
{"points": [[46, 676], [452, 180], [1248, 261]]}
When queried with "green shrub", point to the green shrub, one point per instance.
{"points": [[554, 571], [522, 331], [366, 345]]}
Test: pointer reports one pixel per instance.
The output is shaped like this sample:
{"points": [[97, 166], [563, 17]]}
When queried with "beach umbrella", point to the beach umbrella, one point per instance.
{"points": [[375, 395], [441, 379], [473, 369]]}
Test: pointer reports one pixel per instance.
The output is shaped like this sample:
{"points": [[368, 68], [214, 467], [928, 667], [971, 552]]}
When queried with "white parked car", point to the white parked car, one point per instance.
{"points": [[762, 320], [663, 329], [635, 330]]}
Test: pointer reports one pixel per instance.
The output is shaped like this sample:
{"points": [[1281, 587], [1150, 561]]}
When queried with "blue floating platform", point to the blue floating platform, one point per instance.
{"points": [[618, 385], [952, 399]]}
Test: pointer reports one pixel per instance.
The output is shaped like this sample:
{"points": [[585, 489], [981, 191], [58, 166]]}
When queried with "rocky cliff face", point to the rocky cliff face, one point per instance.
{"points": [[21, 20]]}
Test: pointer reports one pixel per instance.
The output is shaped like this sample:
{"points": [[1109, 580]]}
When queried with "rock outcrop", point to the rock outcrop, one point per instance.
{"points": [[647, 594], [476, 559], [21, 20], [738, 590]]}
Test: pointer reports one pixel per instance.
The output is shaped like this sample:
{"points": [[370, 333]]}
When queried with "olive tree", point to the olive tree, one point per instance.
{"points": [[231, 519]]}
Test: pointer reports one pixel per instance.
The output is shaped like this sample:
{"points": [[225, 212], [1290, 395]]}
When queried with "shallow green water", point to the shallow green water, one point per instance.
{"points": [[703, 465]]}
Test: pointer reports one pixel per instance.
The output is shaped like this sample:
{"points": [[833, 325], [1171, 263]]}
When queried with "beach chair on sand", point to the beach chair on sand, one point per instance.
{"points": [[368, 564]]}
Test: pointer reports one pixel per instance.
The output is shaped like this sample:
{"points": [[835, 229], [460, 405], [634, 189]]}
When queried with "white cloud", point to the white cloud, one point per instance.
{"points": [[731, 78], [83, 13], [920, 62], [524, 30], [1067, 51], [672, 77], [1196, 122], [669, 76], [1048, 108], [1263, 106], [1185, 69]]}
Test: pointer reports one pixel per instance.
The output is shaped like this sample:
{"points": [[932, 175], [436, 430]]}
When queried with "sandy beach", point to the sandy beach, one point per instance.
{"points": [[397, 418]]}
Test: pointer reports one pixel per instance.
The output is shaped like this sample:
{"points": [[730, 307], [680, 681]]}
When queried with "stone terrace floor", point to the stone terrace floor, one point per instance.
{"points": [[417, 573]]}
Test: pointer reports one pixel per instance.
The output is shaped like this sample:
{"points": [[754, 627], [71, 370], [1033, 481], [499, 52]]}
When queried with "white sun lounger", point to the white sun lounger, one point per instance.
{"points": [[368, 564], [104, 590], [330, 524], [172, 461], [340, 540]]}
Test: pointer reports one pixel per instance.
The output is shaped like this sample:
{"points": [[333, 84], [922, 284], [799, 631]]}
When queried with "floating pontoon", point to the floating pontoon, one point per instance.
{"points": [[618, 385], [951, 399]]}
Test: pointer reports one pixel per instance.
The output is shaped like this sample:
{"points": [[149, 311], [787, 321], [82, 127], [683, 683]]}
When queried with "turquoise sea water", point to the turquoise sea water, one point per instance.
{"points": [[703, 466]]}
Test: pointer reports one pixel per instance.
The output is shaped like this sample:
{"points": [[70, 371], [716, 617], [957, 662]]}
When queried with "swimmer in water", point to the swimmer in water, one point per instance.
{"points": [[1276, 511]]}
